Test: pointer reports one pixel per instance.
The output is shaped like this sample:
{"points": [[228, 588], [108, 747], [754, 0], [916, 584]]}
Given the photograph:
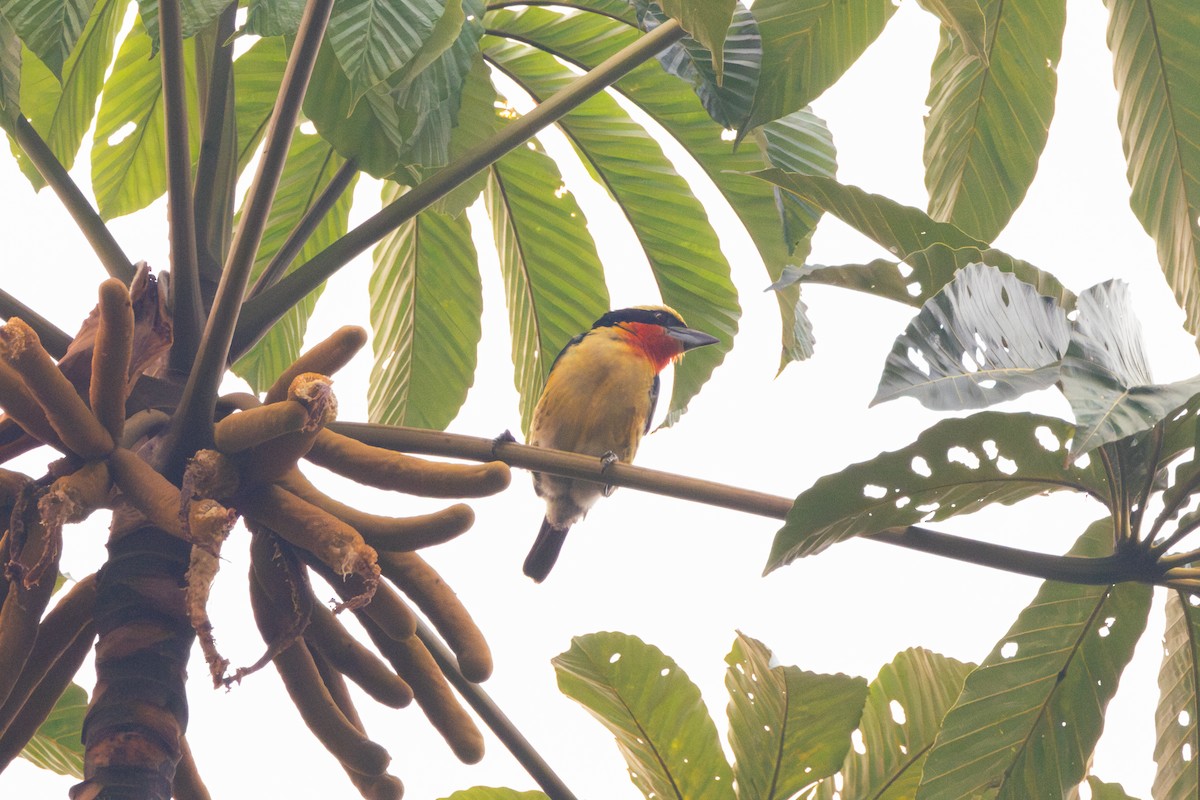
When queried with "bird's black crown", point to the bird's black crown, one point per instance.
{"points": [[649, 315]]}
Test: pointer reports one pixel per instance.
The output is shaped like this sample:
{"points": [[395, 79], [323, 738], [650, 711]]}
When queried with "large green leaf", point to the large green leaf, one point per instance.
{"points": [[311, 162], [494, 793], [257, 76], [1107, 791], [553, 279], [585, 40], [10, 75], [373, 39], [426, 300], [1029, 717], [902, 717], [1154, 63], [62, 111], [985, 338], [1105, 375], [670, 223], [968, 19], [57, 746], [1175, 719], [49, 28], [274, 17], [707, 21], [955, 467], [988, 119], [193, 16], [128, 149], [788, 728], [807, 45], [648, 703]]}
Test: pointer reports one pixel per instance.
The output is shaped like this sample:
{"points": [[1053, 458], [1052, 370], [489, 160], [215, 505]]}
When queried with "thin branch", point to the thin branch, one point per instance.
{"points": [[217, 166], [191, 426], [186, 313], [495, 719], [1125, 566], [296, 240], [54, 339], [111, 256], [261, 312]]}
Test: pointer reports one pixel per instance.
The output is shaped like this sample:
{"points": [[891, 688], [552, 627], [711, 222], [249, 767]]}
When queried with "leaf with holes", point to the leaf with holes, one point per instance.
{"points": [[56, 746], [553, 279], [903, 715], [1105, 376], [925, 272], [653, 709], [788, 727], [985, 338], [955, 467], [1175, 719], [426, 302], [1029, 717]]}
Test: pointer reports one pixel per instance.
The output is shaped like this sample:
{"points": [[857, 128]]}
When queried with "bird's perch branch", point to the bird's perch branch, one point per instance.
{"points": [[1070, 569]]}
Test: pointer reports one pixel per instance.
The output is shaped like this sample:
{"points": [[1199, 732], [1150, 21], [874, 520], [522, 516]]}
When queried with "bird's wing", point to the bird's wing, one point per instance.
{"points": [[653, 403], [576, 339]]}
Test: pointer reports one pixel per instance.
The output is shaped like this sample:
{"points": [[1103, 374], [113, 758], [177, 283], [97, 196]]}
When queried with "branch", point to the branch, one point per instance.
{"points": [[186, 313], [191, 427], [263, 311], [495, 719], [111, 256], [296, 240], [53, 338], [1130, 565]]}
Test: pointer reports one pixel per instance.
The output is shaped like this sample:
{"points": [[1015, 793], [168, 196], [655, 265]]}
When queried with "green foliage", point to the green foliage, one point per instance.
{"points": [[1179, 691], [49, 28], [494, 793], [56, 746]]}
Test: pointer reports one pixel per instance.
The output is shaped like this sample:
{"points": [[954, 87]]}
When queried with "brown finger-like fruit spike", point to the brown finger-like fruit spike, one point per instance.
{"points": [[11, 484], [326, 635], [110, 357], [387, 533], [284, 583], [65, 410], [425, 587], [302, 524], [413, 662], [308, 693], [24, 604], [387, 469], [387, 608], [326, 358], [273, 459], [70, 618], [147, 490], [256, 426], [18, 402]]}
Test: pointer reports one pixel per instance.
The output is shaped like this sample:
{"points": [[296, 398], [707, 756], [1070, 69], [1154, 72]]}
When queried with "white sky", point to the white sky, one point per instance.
{"points": [[685, 577]]}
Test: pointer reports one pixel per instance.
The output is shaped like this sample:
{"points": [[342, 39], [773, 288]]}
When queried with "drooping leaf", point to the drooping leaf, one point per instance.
{"points": [[57, 746], [553, 279], [193, 16], [585, 40], [671, 226], [1105, 375], [128, 148], [1029, 717], [707, 21], [807, 45], [274, 17], [788, 728], [257, 76], [926, 271], [985, 338], [494, 793], [903, 714], [1107, 791], [955, 467], [49, 28], [653, 709], [800, 142], [426, 300], [1175, 719], [10, 75], [988, 120], [1158, 111], [62, 111], [373, 39], [969, 21], [726, 93], [460, 20], [310, 164]]}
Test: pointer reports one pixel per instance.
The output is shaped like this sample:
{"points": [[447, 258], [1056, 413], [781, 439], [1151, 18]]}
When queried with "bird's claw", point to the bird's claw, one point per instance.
{"points": [[504, 438], [607, 460]]}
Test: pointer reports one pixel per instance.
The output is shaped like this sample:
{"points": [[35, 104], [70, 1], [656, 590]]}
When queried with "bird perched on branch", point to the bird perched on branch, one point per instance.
{"points": [[598, 400]]}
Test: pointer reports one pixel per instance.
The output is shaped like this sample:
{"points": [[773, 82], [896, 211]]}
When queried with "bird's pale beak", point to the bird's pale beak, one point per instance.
{"points": [[691, 338]]}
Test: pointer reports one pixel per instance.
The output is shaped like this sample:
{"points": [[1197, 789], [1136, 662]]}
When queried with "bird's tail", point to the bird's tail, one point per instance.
{"points": [[544, 552]]}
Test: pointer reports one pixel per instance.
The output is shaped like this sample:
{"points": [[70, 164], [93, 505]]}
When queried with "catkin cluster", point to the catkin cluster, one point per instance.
{"points": [[251, 472]]}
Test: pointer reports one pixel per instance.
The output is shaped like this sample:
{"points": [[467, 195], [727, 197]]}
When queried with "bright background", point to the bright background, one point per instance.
{"points": [[683, 576]]}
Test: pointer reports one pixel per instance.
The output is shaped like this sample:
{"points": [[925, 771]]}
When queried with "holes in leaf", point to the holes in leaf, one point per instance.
{"points": [[1106, 628], [308, 127], [1184, 718], [614, 658], [918, 360], [1194, 600], [1185, 752], [990, 448], [898, 715], [903, 501], [1006, 465], [904, 269], [913, 289], [969, 363], [1083, 461], [903, 750], [961, 455], [856, 741], [664, 672], [874, 492], [929, 507], [121, 134], [1047, 439], [986, 383], [920, 466], [728, 135], [1009, 650]]}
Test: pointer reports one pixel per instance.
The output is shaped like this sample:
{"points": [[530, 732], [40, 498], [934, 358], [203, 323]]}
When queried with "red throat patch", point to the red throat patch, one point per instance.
{"points": [[653, 340]]}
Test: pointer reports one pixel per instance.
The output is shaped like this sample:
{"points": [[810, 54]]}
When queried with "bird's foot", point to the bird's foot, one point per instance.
{"points": [[607, 460], [504, 438]]}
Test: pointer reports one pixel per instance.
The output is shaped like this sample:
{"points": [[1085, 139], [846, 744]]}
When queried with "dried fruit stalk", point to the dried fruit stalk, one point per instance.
{"points": [[152, 494], [23, 605], [108, 388]]}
